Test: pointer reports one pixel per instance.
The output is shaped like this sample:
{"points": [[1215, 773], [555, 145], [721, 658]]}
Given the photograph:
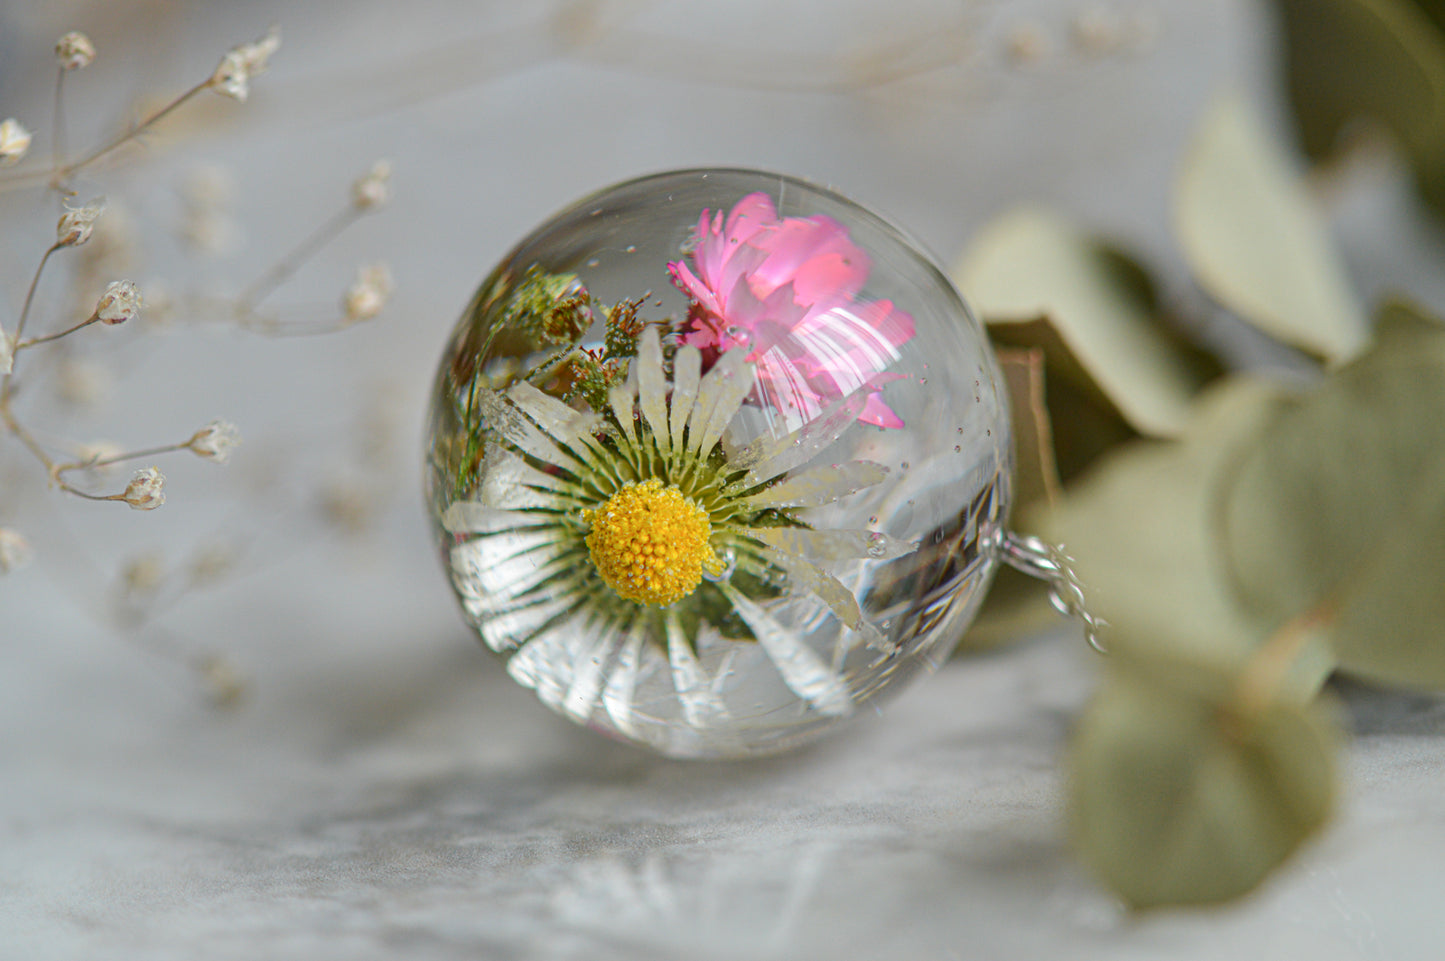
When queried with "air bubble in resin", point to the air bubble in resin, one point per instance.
{"points": [[656, 462]]}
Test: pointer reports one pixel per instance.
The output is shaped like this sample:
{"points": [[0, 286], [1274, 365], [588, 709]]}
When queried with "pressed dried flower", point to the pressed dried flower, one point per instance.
{"points": [[120, 302], [215, 441], [645, 512], [232, 76], [74, 51], [15, 550], [14, 142], [77, 224], [365, 298], [374, 189], [146, 490], [785, 289]]}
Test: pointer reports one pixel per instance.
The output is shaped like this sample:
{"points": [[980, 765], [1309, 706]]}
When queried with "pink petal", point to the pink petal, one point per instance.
{"points": [[879, 414]]}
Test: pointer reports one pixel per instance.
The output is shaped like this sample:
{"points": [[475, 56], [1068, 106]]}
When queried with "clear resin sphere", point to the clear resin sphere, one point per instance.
{"points": [[716, 458]]}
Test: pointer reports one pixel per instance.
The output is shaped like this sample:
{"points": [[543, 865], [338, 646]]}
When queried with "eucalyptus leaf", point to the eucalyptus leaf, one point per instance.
{"points": [[1338, 514], [1383, 59], [1140, 529], [1031, 265], [1083, 424], [1180, 796], [1255, 240]]}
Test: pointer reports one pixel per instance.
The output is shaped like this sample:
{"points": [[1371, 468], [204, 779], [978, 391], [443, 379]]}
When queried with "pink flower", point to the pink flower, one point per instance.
{"points": [[785, 289]]}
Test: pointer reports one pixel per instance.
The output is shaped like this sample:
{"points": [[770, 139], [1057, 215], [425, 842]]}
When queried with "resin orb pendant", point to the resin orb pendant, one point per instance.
{"points": [[717, 459]]}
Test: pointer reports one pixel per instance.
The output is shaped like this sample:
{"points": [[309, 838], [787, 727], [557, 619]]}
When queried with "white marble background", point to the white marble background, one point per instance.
{"points": [[385, 790]]}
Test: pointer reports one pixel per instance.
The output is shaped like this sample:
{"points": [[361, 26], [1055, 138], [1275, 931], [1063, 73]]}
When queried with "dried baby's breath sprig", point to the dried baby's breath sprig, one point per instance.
{"points": [[74, 51], [215, 441], [7, 353], [365, 298], [375, 184], [15, 551], [146, 490], [14, 142], [120, 302], [78, 223], [374, 188], [232, 76]]}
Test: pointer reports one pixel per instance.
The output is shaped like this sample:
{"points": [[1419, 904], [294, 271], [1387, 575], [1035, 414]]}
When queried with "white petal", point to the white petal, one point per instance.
{"points": [[501, 631], [474, 517], [507, 421], [510, 483], [622, 682], [588, 671], [719, 396], [802, 670], [807, 576], [556, 418], [817, 486], [701, 706], [686, 370], [832, 545], [767, 457], [652, 386], [545, 660], [621, 398]]}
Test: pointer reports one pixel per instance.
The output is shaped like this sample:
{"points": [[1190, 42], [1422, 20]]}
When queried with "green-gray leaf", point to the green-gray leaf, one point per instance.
{"points": [[1179, 797], [1339, 513], [1140, 528], [1031, 264], [1256, 242], [1383, 59]]}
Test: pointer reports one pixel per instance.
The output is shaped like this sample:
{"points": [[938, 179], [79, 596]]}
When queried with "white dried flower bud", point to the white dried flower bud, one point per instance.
{"points": [[215, 440], [7, 352], [365, 298], [232, 76], [374, 189], [120, 302], [74, 51], [77, 224], [15, 550], [14, 142], [146, 490]]}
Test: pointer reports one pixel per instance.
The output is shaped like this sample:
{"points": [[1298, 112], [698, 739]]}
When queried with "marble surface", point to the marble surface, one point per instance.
{"points": [[385, 790]]}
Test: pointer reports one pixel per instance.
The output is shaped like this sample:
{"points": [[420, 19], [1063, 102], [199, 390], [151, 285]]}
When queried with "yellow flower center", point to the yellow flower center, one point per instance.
{"points": [[650, 543]]}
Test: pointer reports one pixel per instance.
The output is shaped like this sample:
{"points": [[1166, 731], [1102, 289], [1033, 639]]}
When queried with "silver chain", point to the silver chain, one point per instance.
{"points": [[1038, 558]]}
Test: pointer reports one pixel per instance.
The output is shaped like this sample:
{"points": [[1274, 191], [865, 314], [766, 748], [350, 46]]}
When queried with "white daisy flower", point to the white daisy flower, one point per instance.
{"points": [[601, 547]]}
